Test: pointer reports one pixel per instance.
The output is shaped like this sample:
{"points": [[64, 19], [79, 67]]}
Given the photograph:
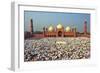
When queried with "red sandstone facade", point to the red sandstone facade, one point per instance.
{"points": [[59, 33]]}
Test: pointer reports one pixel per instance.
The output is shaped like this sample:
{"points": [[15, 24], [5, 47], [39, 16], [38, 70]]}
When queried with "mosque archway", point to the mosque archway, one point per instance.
{"points": [[59, 33]]}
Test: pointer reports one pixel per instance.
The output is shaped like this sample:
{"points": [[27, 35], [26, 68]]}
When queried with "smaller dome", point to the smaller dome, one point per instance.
{"points": [[68, 29], [59, 26], [50, 29]]}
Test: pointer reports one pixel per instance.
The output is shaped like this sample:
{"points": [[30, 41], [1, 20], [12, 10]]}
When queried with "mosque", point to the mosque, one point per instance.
{"points": [[58, 31]]}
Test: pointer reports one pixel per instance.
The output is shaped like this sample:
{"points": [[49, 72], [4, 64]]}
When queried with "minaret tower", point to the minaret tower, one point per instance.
{"points": [[85, 27], [44, 31], [31, 26]]}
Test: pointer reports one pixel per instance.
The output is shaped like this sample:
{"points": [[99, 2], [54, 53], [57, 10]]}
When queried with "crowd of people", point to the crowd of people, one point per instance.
{"points": [[46, 49]]}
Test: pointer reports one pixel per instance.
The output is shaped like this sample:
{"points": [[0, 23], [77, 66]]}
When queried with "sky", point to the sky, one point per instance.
{"points": [[41, 19]]}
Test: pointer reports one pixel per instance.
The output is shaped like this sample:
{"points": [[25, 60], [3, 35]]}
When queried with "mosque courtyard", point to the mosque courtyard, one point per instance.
{"points": [[59, 48]]}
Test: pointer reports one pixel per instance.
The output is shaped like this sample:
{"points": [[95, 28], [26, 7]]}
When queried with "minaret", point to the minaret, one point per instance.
{"points": [[75, 30], [85, 27], [44, 31], [31, 26]]}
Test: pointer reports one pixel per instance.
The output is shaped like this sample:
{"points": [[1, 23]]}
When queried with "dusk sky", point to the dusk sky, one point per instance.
{"points": [[41, 19]]}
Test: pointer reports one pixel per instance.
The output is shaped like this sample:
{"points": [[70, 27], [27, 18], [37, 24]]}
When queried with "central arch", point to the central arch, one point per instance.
{"points": [[59, 33]]}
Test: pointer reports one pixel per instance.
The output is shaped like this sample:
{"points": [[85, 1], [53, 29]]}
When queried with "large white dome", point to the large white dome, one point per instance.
{"points": [[59, 26], [50, 29], [68, 29]]}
